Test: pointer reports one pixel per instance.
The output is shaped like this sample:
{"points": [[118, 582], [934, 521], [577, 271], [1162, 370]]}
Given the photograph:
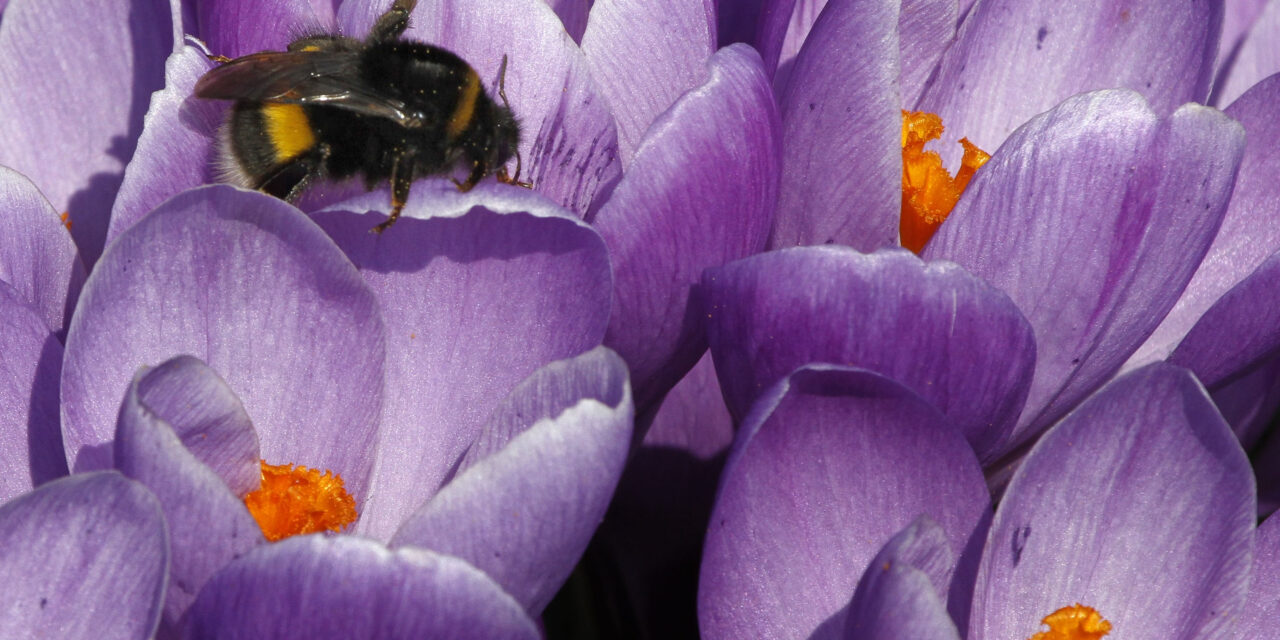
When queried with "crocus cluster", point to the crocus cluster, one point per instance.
{"points": [[745, 361]]}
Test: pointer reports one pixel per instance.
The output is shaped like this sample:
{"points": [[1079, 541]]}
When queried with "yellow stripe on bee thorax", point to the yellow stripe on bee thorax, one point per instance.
{"points": [[466, 108], [288, 130]]}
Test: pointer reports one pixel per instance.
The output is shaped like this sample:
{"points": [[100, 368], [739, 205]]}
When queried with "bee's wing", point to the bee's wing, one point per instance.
{"points": [[302, 77]]}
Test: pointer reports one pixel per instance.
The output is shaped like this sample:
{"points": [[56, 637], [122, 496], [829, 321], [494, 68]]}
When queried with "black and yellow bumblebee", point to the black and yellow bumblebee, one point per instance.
{"points": [[385, 108]]}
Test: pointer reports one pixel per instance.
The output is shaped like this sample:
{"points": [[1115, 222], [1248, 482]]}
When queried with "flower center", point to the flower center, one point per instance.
{"points": [[295, 500], [1076, 622], [928, 191]]}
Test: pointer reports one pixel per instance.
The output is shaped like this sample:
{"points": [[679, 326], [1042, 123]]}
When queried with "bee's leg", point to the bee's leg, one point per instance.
{"points": [[401, 179], [204, 48], [478, 171], [312, 167], [505, 178], [287, 181], [392, 23]]}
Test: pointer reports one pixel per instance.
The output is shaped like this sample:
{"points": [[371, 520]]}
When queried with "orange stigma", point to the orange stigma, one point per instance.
{"points": [[295, 500], [928, 191], [1076, 622]]}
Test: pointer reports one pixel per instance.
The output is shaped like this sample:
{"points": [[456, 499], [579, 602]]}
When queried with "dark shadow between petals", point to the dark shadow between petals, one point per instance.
{"points": [[44, 427]]}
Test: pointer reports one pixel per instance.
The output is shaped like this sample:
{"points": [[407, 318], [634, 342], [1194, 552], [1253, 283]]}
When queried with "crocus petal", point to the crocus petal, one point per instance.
{"points": [[841, 131], [524, 513], [945, 334], [477, 292], [1093, 217], [1238, 17], [30, 441], [831, 463], [701, 192], [1145, 474], [83, 557], [1257, 57], [568, 140], [643, 54], [183, 433], [235, 28], [900, 595], [1013, 59], [1262, 607], [37, 257], [1238, 332], [70, 116], [346, 588], [178, 147], [1250, 230], [1249, 401], [925, 28], [573, 13], [248, 284]]}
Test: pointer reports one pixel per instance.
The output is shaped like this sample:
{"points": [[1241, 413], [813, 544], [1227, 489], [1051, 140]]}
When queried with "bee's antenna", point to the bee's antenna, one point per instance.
{"points": [[502, 93]]}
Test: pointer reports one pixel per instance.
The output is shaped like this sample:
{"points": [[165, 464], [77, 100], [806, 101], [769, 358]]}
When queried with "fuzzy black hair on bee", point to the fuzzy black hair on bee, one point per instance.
{"points": [[383, 108]]}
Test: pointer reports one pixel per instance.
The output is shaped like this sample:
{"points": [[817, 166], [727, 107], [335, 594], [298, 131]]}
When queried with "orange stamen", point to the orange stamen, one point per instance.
{"points": [[928, 191], [66, 219], [296, 500], [1076, 622]]}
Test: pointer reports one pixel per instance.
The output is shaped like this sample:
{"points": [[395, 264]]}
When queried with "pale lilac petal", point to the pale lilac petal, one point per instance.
{"points": [[346, 588], [524, 513], [925, 28], [701, 192], [1013, 59], [1144, 475], [234, 28], [841, 132], [1257, 57], [831, 463], [1262, 606], [1250, 230], [1238, 17], [569, 143], [643, 54], [252, 287], [37, 257], [183, 433], [1093, 217], [30, 440], [948, 336], [477, 290], [77, 78], [83, 557], [178, 148], [902, 593]]}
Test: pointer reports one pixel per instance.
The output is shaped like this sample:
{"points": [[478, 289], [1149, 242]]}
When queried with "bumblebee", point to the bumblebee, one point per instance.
{"points": [[384, 108]]}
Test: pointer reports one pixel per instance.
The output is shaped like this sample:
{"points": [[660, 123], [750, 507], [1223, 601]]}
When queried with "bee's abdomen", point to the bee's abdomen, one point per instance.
{"points": [[268, 135]]}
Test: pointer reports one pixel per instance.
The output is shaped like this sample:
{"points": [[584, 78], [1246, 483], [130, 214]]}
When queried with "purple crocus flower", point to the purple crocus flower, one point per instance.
{"points": [[450, 373], [831, 474], [85, 556]]}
